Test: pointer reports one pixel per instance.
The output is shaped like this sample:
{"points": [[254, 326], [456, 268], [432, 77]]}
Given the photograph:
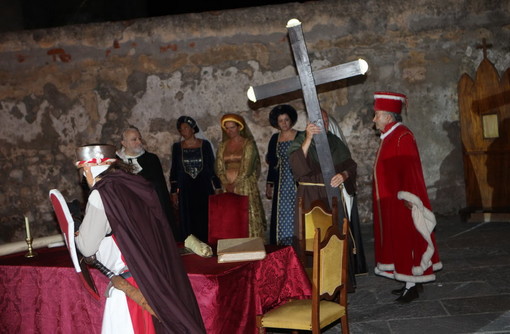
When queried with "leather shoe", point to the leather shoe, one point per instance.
{"points": [[408, 295], [398, 292]]}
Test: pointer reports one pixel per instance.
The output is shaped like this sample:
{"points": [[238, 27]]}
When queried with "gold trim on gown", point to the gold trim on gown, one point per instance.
{"points": [[243, 169]]}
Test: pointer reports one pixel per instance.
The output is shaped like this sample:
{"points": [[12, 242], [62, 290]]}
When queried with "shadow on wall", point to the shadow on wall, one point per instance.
{"points": [[451, 175], [11, 228]]}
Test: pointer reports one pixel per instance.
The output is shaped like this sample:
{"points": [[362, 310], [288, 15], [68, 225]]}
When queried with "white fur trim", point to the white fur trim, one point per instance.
{"points": [[383, 273], [384, 135], [389, 273], [386, 267], [389, 97], [424, 221], [415, 279]]}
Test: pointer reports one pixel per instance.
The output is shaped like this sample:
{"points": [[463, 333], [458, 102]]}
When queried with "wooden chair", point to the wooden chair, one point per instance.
{"points": [[317, 217], [328, 302], [228, 217]]}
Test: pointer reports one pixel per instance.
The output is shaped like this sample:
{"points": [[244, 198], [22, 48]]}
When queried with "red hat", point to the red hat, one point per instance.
{"points": [[388, 101]]}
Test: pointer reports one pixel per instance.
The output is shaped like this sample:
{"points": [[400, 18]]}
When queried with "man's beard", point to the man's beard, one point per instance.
{"points": [[137, 150]]}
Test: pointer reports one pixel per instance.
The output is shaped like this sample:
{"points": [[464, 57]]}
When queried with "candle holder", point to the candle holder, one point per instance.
{"points": [[31, 252]]}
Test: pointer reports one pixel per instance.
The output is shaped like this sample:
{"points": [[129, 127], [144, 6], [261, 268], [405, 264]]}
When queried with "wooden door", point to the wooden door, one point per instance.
{"points": [[484, 106]]}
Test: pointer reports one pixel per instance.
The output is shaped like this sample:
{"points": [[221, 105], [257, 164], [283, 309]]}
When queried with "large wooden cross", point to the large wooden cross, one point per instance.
{"points": [[307, 81]]}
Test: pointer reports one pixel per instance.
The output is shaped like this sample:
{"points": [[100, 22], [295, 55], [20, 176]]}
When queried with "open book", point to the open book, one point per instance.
{"points": [[240, 249]]}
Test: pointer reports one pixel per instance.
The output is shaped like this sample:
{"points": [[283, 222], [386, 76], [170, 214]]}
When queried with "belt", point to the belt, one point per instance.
{"points": [[311, 184]]}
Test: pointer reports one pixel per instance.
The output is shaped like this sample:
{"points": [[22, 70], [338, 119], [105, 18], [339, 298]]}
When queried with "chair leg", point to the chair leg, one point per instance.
{"points": [[258, 322], [345, 325]]}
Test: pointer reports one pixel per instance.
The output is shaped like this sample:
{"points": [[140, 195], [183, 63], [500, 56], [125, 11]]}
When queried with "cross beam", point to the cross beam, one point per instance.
{"points": [[307, 81], [484, 47], [320, 77]]}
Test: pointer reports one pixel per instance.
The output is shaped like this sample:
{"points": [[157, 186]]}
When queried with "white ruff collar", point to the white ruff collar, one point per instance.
{"points": [[122, 154], [384, 135], [132, 160]]}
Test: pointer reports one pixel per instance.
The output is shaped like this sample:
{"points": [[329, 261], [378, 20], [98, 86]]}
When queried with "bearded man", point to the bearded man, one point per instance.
{"points": [[148, 165]]}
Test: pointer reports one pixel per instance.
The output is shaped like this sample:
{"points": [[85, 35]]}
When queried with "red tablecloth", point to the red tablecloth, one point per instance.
{"points": [[48, 298]]}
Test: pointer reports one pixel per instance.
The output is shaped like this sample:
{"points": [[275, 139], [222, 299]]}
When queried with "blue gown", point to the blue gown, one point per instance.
{"points": [[284, 192]]}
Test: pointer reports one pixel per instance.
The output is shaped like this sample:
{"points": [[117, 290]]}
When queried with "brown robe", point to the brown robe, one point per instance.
{"points": [[307, 169]]}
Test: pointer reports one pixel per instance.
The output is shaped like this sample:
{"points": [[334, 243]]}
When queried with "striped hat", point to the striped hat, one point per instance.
{"points": [[388, 101], [95, 154]]}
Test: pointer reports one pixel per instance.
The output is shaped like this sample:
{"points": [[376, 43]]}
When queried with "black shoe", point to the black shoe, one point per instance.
{"points": [[398, 292], [408, 295]]}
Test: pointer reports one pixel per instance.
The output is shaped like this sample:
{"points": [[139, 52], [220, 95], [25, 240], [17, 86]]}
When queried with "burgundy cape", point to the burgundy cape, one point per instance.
{"points": [[398, 245], [148, 246]]}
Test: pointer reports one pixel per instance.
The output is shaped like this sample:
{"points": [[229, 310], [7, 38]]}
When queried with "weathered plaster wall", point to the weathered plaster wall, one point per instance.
{"points": [[65, 87]]}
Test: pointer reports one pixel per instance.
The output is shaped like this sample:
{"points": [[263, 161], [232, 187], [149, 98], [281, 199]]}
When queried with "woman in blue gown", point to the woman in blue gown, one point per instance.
{"points": [[280, 184], [192, 179]]}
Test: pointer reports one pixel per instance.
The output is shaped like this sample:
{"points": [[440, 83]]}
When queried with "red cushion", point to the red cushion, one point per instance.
{"points": [[228, 217]]}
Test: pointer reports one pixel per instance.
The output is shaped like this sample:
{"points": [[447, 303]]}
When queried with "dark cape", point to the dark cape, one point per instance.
{"points": [[146, 242], [307, 169], [273, 177]]}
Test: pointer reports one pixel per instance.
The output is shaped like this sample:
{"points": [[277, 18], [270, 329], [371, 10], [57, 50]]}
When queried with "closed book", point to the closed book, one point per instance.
{"points": [[240, 249]]}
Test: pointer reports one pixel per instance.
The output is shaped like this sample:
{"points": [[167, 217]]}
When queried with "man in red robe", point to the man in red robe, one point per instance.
{"points": [[404, 242]]}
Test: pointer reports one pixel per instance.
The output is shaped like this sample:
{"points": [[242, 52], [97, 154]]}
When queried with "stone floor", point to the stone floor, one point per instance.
{"points": [[470, 295]]}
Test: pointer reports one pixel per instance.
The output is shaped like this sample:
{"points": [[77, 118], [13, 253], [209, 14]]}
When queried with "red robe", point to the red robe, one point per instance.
{"points": [[405, 247]]}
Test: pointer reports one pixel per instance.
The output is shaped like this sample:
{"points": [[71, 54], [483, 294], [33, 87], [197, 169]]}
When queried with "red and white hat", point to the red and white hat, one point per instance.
{"points": [[94, 159], [388, 101], [95, 154]]}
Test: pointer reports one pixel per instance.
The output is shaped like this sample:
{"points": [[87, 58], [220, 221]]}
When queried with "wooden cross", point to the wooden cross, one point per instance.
{"points": [[307, 81], [484, 47]]}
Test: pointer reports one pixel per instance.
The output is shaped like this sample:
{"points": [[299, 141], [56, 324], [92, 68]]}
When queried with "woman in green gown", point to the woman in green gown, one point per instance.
{"points": [[238, 167]]}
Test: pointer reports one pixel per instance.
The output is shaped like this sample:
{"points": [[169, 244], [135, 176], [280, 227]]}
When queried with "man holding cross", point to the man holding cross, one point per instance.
{"points": [[322, 155], [306, 168], [304, 161]]}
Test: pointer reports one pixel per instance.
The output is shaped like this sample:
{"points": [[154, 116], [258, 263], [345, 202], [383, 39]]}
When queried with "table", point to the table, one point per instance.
{"points": [[45, 295]]}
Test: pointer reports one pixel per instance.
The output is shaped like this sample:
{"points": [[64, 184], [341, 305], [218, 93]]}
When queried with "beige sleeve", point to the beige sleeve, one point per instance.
{"points": [[94, 227]]}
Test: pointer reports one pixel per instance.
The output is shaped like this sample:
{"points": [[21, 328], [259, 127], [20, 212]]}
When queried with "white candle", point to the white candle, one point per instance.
{"points": [[27, 227]]}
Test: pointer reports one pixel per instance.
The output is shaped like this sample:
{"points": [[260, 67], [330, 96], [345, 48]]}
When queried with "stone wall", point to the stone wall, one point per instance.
{"points": [[65, 87]]}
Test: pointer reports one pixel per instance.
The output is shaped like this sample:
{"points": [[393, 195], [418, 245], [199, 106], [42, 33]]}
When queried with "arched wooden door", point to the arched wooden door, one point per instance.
{"points": [[484, 106]]}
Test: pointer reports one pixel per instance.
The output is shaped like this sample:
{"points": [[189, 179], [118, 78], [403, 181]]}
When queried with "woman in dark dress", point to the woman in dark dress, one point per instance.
{"points": [[280, 184], [192, 179]]}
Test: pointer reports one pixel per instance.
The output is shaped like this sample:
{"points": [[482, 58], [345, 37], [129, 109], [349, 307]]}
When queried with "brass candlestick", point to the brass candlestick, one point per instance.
{"points": [[31, 252]]}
